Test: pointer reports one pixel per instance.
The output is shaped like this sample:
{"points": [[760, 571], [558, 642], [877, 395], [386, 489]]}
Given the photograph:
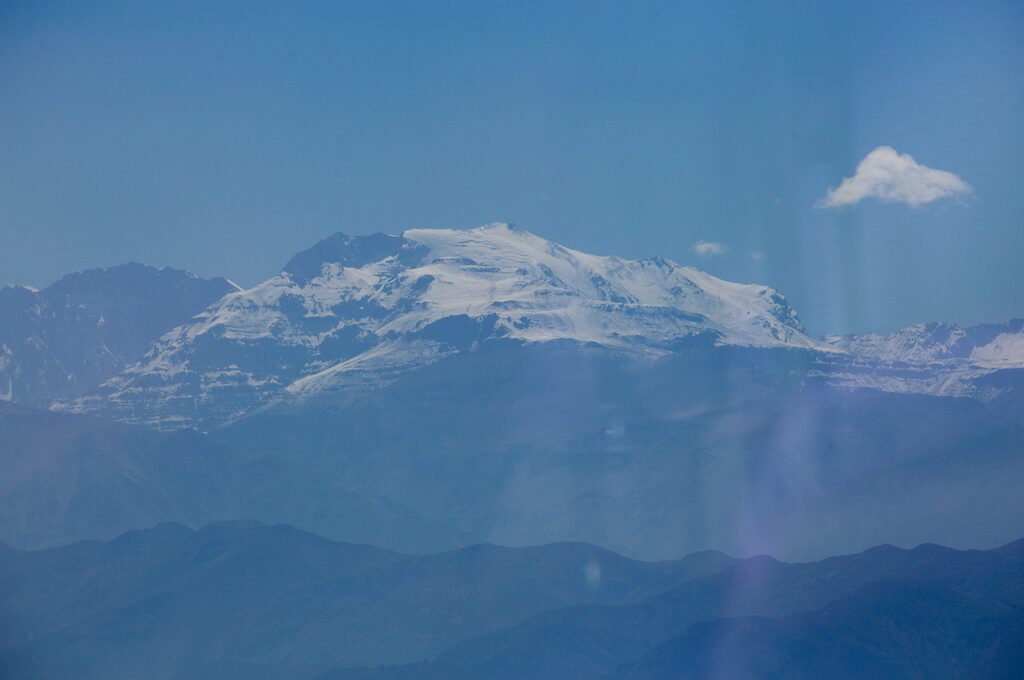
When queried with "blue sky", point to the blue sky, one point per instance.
{"points": [[223, 137]]}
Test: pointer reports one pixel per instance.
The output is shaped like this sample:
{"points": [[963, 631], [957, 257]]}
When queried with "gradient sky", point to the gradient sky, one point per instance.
{"points": [[222, 137]]}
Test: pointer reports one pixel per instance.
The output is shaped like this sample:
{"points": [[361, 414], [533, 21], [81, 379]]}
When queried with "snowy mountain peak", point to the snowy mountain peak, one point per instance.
{"points": [[357, 309], [346, 250], [541, 289]]}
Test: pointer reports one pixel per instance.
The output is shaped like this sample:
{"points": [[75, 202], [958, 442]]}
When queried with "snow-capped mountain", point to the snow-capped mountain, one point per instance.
{"points": [[503, 387], [930, 358], [88, 326], [356, 309], [984, 345]]}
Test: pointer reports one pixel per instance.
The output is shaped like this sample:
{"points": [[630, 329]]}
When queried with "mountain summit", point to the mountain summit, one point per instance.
{"points": [[358, 309], [354, 312]]}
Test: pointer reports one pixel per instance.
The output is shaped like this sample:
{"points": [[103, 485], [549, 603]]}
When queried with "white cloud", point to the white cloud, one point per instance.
{"points": [[757, 255], [709, 248], [887, 175]]}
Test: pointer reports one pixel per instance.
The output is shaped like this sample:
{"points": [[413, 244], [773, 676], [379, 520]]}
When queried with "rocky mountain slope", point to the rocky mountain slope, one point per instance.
{"points": [[67, 338]]}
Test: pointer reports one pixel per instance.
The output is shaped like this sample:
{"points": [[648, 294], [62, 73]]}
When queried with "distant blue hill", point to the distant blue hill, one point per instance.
{"points": [[244, 600]]}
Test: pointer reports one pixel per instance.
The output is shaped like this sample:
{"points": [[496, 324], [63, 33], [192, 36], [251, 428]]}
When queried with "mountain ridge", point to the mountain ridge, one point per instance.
{"points": [[67, 338], [352, 312], [243, 599]]}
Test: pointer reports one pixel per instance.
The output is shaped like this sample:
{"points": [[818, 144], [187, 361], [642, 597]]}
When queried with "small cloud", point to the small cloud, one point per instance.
{"points": [[892, 177], [757, 255], [709, 248]]}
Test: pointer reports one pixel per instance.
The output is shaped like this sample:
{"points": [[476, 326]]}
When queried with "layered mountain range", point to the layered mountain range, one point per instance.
{"points": [[245, 600], [441, 387], [354, 311]]}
